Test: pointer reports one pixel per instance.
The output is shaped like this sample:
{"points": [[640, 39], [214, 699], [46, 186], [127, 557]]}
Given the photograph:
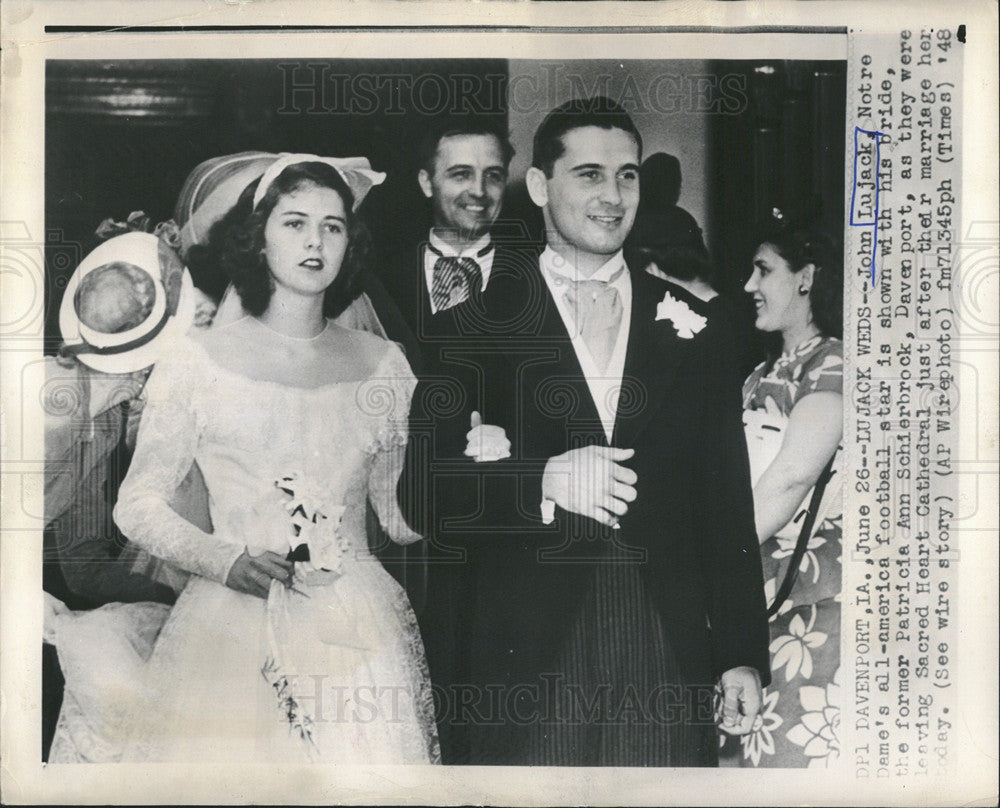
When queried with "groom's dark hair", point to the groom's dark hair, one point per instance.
{"points": [[598, 111]]}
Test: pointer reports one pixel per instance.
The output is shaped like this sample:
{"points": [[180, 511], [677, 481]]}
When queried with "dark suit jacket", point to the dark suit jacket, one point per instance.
{"points": [[457, 356], [691, 528], [453, 353]]}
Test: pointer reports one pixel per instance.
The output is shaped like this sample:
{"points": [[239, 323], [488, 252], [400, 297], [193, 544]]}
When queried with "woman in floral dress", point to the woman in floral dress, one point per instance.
{"points": [[290, 642], [797, 290]]}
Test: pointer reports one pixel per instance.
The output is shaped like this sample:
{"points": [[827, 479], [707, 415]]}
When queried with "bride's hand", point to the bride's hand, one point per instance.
{"points": [[253, 574]]}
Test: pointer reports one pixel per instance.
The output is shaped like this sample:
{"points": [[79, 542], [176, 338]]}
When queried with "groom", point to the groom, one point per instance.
{"points": [[616, 568]]}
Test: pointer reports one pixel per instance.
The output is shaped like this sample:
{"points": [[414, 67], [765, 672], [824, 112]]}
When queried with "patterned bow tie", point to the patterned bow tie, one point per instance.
{"points": [[597, 312], [453, 278]]}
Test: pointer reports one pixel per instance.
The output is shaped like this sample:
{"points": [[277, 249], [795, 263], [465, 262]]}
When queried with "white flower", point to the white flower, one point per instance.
{"points": [[809, 559], [263, 525], [316, 520], [819, 732], [792, 650], [686, 322], [309, 494], [322, 535], [761, 741]]}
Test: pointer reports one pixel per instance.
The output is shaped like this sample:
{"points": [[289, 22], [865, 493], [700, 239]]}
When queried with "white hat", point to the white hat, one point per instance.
{"points": [[131, 313]]}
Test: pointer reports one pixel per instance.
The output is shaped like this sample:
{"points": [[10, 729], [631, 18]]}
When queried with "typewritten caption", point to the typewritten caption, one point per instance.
{"points": [[901, 556]]}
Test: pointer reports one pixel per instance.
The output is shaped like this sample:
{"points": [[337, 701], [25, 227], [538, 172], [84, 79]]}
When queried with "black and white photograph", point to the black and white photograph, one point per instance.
{"points": [[439, 404]]}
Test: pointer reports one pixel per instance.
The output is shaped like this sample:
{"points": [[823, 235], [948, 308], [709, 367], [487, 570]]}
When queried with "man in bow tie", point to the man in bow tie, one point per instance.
{"points": [[441, 285], [464, 177], [463, 174], [618, 584]]}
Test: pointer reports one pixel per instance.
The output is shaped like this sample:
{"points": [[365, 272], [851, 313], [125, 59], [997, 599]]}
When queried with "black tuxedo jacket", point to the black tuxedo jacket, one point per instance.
{"points": [[516, 584], [400, 292]]}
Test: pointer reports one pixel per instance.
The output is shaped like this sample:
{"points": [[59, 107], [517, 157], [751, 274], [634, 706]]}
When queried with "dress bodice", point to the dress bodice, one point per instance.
{"points": [[334, 446]]}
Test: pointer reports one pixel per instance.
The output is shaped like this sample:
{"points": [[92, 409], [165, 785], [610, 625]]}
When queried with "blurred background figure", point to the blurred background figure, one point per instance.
{"points": [[667, 242], [667, 238], [126, 303]]}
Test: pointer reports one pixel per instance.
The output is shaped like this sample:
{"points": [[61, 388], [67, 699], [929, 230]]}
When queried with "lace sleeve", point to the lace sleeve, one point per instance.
{"points": [[387, 397], [165, 448]]}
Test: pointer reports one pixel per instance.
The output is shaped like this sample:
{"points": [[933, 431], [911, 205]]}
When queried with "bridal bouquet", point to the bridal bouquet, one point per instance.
{"points": [[300, 629], [318, 547]]}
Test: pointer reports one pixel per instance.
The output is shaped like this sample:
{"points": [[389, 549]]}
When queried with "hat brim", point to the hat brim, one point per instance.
{"points": [[140, 249]]}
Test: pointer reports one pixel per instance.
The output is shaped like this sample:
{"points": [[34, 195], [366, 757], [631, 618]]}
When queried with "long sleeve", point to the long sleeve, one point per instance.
{"points": [[724, 508], [393, 388], [165, 449]]}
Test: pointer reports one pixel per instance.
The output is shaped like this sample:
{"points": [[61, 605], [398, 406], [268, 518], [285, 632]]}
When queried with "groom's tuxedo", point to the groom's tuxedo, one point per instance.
{"points": [[540, 606]]}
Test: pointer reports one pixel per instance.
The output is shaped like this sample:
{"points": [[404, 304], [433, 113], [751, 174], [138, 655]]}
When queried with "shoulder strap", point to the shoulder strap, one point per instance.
{"points": [[803, 541]]}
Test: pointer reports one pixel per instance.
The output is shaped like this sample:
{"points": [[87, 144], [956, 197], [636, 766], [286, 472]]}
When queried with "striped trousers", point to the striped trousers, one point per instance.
{"points": [[613, 697]]}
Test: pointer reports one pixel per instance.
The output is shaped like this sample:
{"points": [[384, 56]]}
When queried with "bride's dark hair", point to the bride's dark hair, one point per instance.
{"points": [[238, 240]]}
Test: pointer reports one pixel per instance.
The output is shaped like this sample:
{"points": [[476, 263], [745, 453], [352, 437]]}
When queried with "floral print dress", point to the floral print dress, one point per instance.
{"points": [[801, 712]]}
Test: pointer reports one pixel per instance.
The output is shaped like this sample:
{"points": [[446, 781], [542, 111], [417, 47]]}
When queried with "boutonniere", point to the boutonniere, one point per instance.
{"points": [[685, 321]]}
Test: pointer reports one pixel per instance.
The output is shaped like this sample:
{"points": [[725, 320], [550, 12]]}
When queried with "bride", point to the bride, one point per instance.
{"points": [[290, 642]]}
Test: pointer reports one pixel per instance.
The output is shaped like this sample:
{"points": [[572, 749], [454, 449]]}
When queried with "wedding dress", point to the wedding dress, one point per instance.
{"points": [[330, 670]]}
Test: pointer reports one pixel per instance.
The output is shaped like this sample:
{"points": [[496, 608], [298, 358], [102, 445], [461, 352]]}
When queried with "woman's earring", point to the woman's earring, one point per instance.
{"points": [[803, 290]]}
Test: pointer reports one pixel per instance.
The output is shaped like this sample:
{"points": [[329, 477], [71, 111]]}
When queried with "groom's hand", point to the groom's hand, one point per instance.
{"points": [[741, 699], [590, 481]]}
